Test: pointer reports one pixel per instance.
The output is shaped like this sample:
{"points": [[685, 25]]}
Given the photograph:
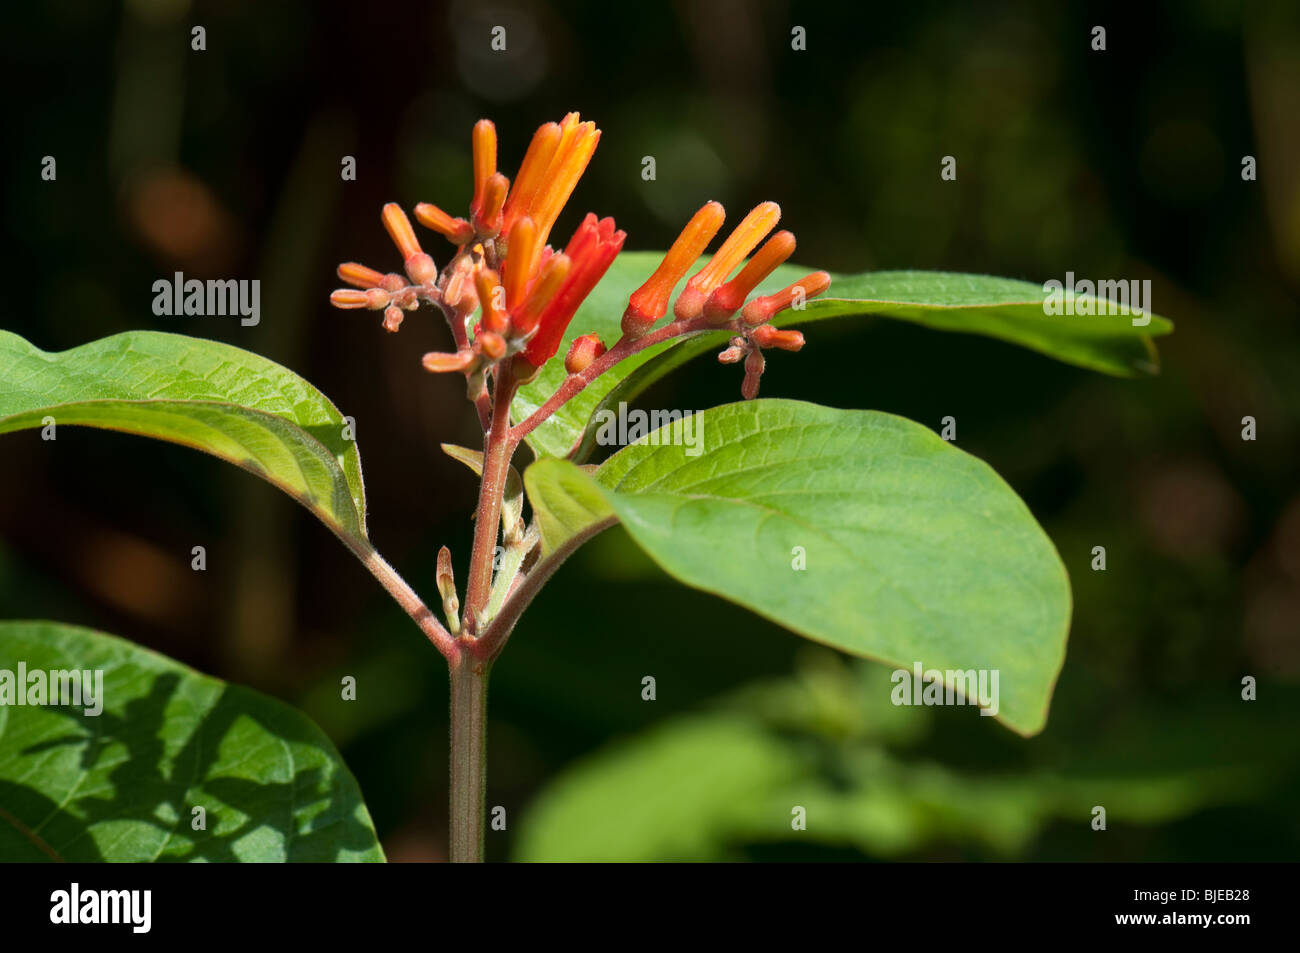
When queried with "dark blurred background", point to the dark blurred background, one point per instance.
{"points": [[1122, 163]]}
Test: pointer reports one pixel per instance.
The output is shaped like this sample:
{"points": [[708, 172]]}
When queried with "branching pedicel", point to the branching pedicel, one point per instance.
{"points": [[525, 293]]}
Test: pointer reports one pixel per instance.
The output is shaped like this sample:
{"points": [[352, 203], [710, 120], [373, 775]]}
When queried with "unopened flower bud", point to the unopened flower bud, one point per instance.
{"points": [[359, 276], [399, 229], [447, 589], [487, 219], [744, 239], [763, 309], [649, 303], [437, 362], [456, 230], [767, 336], [492, 298], [491, 345], [727, 299], [393, 318], [422, 269], [582, 352], [731, 355], [349, 298]]}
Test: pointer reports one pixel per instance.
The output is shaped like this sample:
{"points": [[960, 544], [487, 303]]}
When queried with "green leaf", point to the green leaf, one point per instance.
{"points": [[912, 549], [203, 394], [122, 785], [566, 503], [977, 304]]}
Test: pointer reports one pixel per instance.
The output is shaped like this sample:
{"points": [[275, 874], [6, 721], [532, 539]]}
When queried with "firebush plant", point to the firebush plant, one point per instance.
{"points": [[853, 528]]}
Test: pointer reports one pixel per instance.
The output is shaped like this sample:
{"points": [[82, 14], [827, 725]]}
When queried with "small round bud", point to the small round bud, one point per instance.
{"points": [[582, 352]]}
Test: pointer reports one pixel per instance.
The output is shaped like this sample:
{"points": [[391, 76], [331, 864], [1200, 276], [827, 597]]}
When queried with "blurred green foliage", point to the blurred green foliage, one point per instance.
{"points": [[1124, 163]]}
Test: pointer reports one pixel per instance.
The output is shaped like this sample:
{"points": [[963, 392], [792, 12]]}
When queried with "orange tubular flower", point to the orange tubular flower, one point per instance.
{"points": [[531, 172], [457, 230], [359, 276], [767, 336], [550, 279], [752, 230], [485, 160], [399, 229], [762, 309], [649, 303], [556, 183], [522, 242], [487, 220], [495, 318], [591, 250], [727, 300]]}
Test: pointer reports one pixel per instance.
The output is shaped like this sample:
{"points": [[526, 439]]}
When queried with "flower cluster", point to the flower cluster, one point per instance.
{"points": [[503, 267], [526, 292], [709, 297]]}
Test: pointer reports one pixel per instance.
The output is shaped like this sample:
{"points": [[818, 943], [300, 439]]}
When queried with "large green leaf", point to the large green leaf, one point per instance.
{"points": [[122, 785], [977, 304], [912, 550], [203, 394]]}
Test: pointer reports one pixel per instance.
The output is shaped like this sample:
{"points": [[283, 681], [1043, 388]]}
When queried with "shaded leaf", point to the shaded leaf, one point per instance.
{"points": [[123, 785]]}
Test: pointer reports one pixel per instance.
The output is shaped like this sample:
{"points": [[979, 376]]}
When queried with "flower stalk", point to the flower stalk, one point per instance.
{"points": [[525, 294]]}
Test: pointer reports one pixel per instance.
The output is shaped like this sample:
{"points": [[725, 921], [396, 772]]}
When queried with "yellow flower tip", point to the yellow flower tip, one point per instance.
{"points": [[522, 251], [649, 303], [399, 229], [360, 276], [438, 363], [532, 172], [456, 230], [487, 219], [495, 317], [550, 278], [485, 160], [763, 309], [727, 299], [744, 239]]}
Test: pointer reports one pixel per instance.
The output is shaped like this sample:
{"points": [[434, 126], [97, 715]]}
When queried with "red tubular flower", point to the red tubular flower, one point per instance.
{"points": [[591, 251], [550, 279]]}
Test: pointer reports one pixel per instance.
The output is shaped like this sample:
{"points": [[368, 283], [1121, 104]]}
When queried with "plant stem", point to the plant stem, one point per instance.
{"points": [[624, 347], [469, 680], [497, 450]]}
